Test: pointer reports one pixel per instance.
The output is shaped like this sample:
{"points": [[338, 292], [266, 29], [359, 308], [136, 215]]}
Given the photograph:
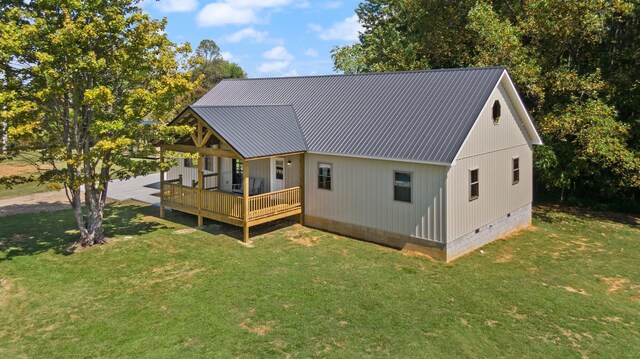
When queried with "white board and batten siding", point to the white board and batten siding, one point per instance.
{"points": [[490, 148], [190, 174], [257, 169], [362, 194]]}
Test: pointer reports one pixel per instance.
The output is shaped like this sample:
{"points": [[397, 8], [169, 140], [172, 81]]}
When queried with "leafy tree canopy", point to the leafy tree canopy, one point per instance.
{"points": [[577, 64], [209, 68], [89, 84]]}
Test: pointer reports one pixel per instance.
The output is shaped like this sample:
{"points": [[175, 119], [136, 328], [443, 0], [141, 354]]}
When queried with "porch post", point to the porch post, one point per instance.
{"points": [[302, 171], [161, 184], [245, 199], [200, 188]]}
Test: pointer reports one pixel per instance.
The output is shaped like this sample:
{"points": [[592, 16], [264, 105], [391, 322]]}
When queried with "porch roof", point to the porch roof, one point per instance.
{"points": [[255, 131]]}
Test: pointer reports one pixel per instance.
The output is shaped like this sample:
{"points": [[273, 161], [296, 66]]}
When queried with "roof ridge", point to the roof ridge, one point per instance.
{"points": [[254, 105], [501, 67]]}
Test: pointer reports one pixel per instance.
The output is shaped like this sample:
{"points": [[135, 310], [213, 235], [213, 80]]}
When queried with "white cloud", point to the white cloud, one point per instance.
{"points": [[236, 12], [220, 14], [303, 5], [312, 52], [247, 33], [291, 73], [273, 66], [172, 5], [258, 3], [227, 55], [346, 30], [278, 53], [333, 4]]}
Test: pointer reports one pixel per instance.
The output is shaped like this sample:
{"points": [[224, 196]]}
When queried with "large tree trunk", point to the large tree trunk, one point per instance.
{"points": [[91, 226]]}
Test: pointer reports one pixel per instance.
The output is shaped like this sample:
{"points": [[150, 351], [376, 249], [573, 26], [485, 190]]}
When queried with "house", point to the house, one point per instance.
{"points": [[439, 161]]}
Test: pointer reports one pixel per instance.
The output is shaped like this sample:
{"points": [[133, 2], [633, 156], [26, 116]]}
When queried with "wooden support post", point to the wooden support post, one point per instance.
{"points": [[161, 185], [200, 188], [302, 170], [219, 168], [245, 200]]}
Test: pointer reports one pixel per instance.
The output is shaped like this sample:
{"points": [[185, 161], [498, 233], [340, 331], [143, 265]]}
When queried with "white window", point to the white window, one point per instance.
{"points": [[188, 162], [402, 186], [516, 170], [324, 175], [474, 185]]}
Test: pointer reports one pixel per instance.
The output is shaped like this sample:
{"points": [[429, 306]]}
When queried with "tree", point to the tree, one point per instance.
{"points": [[79, 78], [209, 68], [575, 63]]}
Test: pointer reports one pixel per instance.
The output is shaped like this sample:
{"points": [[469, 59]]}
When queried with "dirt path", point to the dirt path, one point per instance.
{"points": [[39, 202]]}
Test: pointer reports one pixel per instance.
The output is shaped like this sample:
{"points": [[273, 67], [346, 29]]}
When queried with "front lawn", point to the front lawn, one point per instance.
{"points": [[570, 287]]}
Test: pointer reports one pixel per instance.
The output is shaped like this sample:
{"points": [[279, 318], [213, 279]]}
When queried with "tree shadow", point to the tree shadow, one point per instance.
{"points": [[35, 233], [549, 213]]}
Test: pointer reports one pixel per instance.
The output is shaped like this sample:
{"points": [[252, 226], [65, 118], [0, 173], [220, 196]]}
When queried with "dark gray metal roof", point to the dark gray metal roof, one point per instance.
{"points": [[255, 131], [419, 115]]}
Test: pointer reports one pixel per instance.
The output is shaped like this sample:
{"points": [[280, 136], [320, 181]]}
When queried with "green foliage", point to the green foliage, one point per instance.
{"points": [[208, 69], [90, 85], [576, 63]]}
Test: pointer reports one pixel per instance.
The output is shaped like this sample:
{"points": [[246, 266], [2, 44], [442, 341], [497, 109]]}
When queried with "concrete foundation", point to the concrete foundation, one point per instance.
{"points": [[500, 227]]}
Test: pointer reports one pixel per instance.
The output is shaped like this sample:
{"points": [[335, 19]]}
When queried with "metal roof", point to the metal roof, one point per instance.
{"points": [[417, 115], [255, 131]]}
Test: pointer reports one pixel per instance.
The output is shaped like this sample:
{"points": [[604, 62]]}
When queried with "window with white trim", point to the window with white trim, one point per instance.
{"points": [[188, 162], [474, 184], [402, 186], [208, 163], [516, 170], [324, 175]]}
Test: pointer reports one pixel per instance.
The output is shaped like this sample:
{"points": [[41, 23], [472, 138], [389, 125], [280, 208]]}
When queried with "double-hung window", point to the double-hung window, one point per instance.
{"points": [[402, 186], [324, 175], [474, 185], [516, 170]]}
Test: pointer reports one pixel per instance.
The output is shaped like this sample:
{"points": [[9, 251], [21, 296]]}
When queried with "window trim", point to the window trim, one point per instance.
{"points": [[208, 159], [496, 119], [471, 197], [410, 173], [330, 164], [190, 161], [514, 170]]}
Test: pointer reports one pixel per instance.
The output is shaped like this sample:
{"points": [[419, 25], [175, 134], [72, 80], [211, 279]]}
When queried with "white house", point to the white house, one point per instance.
{"points": [[439, 161]]}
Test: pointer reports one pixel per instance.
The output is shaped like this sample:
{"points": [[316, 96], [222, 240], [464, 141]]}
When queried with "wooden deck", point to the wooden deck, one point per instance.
{"points": [[229, 208]]}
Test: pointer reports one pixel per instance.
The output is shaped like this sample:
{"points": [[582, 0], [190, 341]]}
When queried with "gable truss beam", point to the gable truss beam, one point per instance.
{"points": [[201, 150]]}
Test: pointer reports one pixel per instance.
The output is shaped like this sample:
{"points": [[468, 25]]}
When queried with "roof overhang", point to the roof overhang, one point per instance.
{"points": [[521, 109]]}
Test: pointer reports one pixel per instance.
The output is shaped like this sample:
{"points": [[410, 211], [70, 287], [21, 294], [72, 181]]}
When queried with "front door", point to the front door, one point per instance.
{"points": [[277, 174], [236, 173]]}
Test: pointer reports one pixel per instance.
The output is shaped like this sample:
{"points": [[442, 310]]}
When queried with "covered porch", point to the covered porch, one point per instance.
{"points": [[224, 184]]}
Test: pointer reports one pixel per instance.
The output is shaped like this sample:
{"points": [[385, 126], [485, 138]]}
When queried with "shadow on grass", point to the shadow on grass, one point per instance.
{"points": [[31, 234], [549, 213], [220, 228]]}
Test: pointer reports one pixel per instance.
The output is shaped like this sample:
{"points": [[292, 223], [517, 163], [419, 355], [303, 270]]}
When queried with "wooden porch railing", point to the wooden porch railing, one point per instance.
{"points": [[180, 194], [274, 202], [222, 203], [262, 205]]}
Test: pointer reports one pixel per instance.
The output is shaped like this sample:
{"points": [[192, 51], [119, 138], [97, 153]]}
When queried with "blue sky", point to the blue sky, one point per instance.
{"points": [[265, 37]]}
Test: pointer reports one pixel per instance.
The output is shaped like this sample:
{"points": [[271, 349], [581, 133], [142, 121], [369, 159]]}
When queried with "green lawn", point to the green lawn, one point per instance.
{"points": [[569, 288], [23, 165], [23, 189]]}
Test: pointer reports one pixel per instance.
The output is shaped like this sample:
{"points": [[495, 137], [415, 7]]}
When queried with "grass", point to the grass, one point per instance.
{"points": [[24, 165], [568, 288]]}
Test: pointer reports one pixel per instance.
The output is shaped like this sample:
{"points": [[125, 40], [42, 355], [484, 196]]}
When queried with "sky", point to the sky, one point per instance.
{"points": [[266, 38]]}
